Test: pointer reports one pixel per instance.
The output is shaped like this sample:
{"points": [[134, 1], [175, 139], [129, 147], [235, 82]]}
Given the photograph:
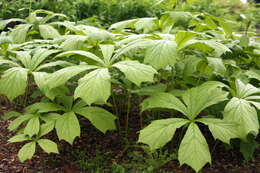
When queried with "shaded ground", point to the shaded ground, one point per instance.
{"points": [[95, 152]]}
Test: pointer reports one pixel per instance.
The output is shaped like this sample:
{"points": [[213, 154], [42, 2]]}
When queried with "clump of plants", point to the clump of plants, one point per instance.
{"points": [[191, 67]]}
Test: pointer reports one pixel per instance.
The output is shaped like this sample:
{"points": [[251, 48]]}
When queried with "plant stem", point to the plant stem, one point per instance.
{"points": [[140, 113], [127, 113], [116, 110]]}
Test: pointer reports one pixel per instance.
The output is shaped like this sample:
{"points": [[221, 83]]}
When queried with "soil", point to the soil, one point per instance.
{"points": [[113, 147]]}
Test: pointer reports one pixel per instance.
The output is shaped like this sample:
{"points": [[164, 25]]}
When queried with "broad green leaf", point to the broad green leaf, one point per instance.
{"points": [[73, 42], [60, 77], [146, 24], [221, 129], [13, 82], [43, 107], [248, 148], [27, 151], [241, 112], [136, 72], [67, 127], [194, 150], [18, 138], [10, 63], [198, 98], [11, 114], [40, 79], [253, 74], [19, 34], [82, 53], [163, 100], [161, 54], [24, 57], [107, 51], [94, 87], [39, 56], [183, 36], [208, 45], [100, 118], [245, 90], [48, 146], [32, 127], [18, 121], [160, 132], [217, 65], [123, 24], [53, 64], [48, 32], [133, 45], [151, 90], [46, 128]]}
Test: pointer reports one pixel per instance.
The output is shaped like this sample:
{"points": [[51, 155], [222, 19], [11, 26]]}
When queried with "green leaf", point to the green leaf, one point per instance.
{"points": [[198, 98], [100, 118], [248, 148], [217, 65], [207, 45], [86, 54], [32, 127], [221, 129], [20, 32], [18, 138], [94, 87], [13, 82], [107, 51], [73, 42], [161, 54], [9, 115], [43, 107], [48, 146], [60, 77], [163, 100], [160, 132], [48, 32], [151, 90], [245, 90], [183, 36], [241, 112], [39, 56], [46, 128], [27, 151], [136, 72], [194, 150], [18, 121], [67, 127], [253, 74]]}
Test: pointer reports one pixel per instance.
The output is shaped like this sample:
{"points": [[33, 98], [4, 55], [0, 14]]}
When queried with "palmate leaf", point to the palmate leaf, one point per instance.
{"points": [[19, 34], [245, 90], [194, 149], [160, 132], [27, 151], [241, 112], [107, 51], [136, 72], [60, 77], [163, 100], [67, 127], [48, 32], [221, 129], [100, 118], [86, 54], [73, 42], [18, 121], [43, 107], [48, 146], [33, 126], [207, 45], [94, 87], [199, 98], [183, 36], [13, 82], [161, 54]]}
